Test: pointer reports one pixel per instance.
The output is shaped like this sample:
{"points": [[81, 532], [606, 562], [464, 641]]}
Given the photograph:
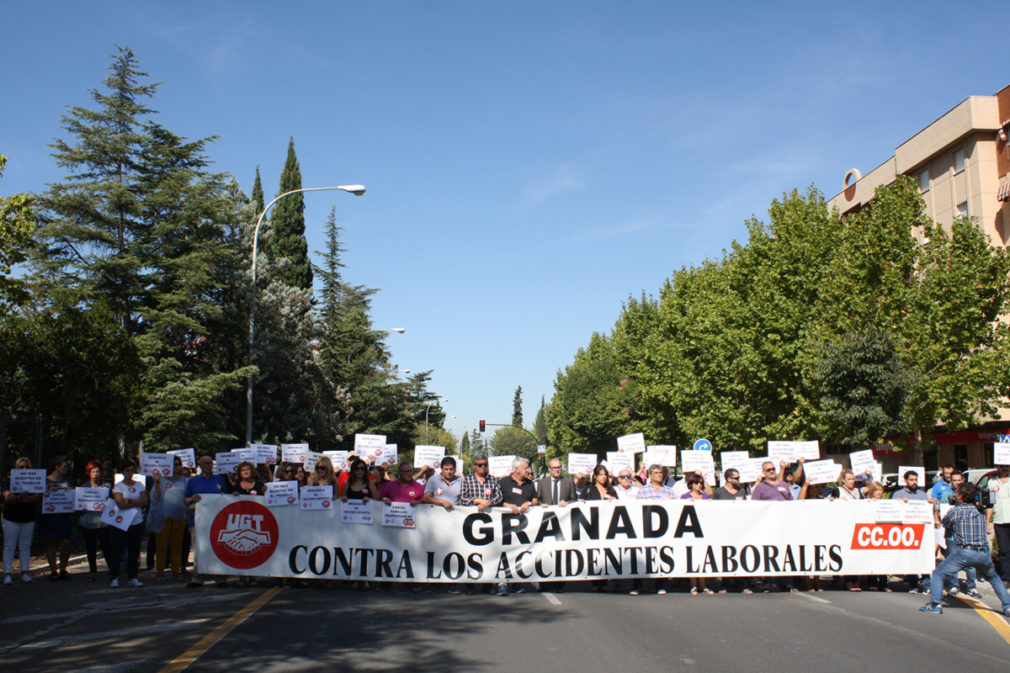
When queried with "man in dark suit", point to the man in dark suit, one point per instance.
{"points": [[555, 489]]}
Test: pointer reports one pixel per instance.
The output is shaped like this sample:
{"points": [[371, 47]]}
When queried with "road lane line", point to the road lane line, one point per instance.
{"points": [[816, 599], [222, 630], [985, 612], [551, 598]]}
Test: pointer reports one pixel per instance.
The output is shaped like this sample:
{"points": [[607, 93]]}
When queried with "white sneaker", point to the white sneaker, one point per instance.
{"points": [[135, 583], [8, 580], [661, 592], [26, 578], [114, 584], [953, 591], [633, 592]]}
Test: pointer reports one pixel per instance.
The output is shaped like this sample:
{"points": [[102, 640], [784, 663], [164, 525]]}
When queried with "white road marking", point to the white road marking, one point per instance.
{"points": [[116, 634], [811, 597], [551, 598]]}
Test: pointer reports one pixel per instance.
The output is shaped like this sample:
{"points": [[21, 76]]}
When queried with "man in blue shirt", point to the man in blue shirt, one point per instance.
{"points": [[969, 528], [943, 487], [204, 483]]}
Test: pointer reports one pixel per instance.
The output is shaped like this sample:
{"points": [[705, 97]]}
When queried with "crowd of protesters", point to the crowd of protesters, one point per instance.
{"points": [[165, 506]]}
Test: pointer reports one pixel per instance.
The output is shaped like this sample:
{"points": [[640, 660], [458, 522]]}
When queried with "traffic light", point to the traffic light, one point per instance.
{"points": [[482, 426]]}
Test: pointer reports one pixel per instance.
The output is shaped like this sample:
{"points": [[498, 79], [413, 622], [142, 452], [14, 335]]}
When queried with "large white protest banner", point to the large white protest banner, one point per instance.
{"points": [[369, 446], [294, 453], [500, 466], [633, 443], [58, 501], [90, 499], [1001, 453], [428, 456], [188, 457], [282, 493], [238, 535], [156, 464], [581, 463], [28, 481], [620, 460]]}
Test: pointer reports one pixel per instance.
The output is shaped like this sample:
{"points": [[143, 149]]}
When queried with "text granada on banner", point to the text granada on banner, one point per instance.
{"points": [[239, 535]]}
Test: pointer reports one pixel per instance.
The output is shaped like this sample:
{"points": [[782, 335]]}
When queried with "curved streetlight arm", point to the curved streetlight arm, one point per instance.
{"points": [[357, 190]]}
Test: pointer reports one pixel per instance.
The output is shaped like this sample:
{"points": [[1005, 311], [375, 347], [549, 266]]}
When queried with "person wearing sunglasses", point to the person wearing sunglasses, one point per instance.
{"points": [[626, 486], [358, 486], [771, 485]]}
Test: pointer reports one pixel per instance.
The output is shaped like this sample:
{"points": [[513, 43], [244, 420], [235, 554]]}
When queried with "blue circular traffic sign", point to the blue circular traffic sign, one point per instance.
{"points": [[702, 445]]}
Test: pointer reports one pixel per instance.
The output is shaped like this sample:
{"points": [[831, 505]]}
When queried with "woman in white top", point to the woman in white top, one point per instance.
{"points": [[999, 516], [131, 497], [847, 489]]}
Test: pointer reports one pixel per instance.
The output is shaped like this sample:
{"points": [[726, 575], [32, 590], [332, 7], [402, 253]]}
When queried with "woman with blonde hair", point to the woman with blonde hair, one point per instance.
{"points": [[324, 475]]}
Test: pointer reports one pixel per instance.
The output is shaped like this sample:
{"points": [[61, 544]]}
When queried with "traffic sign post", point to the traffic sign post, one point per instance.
{"points": [[702, 445]]}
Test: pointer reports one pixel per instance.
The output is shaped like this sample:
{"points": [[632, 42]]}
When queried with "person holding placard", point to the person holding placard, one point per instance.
{"points": [[847, 489], [55, 529], [998, 516], [168, 492], [204, 483], [300, 475], [358, 486], [627, 486], [770, 485], [19, 514], [131, 497], [96, 533], [247, 481], [654, 490]]}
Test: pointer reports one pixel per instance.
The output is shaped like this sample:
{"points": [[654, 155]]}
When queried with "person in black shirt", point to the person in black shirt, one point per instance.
{"points": [[518, 495]]}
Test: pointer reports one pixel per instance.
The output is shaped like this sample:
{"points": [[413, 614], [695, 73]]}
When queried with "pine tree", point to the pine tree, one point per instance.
{"points": [[257, 195], [286, 243], [517, 408]]}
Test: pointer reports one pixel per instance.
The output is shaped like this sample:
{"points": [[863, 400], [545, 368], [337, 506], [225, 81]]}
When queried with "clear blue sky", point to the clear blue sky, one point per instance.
{"points": [[529, 164]]}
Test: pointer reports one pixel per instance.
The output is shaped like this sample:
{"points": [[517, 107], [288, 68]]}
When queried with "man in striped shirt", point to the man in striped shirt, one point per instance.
{"points": [[968, 525]]}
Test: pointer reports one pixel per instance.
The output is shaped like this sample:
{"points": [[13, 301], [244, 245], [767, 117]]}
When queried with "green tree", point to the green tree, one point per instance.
{"points": [[513, 441], [540, 422], [16, 224], [286, 240], [517, 408], [464, 444], [256, 198]]}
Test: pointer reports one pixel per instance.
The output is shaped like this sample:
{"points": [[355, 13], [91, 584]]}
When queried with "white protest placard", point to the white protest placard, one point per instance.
{"points": [[620, 460], [58, 501], [398, 515], [877, 473], [633, 443], [226, 462], [156, 464], [821, 471], [861, 461], [266, 454], [699, 460], [248, 454], [89, 499], [916, 511], [1001, 453], [781, 450], [187, 456], [428, 456], [739, 461], [311, 460], [366, 445], [388, 455], [887, 511], [28, 481], [921, 471], [294, 453], [500, 466], [316, 497], [356, 511], [807, 450], [664, 454], [582, 463], [281, 493], [120, 518], [339, 459]]}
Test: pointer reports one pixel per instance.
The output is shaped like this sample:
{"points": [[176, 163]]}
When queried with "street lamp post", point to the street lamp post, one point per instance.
{"points": [[357, 190], [426, 408]]}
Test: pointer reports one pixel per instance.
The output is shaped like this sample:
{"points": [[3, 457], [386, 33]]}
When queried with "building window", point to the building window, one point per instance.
{"points": [[924, 181], [958, 160], [962, 209]]}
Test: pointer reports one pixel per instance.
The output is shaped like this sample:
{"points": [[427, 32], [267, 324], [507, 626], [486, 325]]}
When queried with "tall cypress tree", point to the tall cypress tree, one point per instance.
{"points": [[287, 245], [257, 194], [517, 407]]}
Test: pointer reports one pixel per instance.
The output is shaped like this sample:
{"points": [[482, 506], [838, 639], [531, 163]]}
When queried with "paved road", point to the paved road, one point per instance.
{"points": [[82, 627]]}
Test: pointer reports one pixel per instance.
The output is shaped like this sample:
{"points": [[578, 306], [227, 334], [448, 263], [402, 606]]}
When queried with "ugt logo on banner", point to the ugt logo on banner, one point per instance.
{"points": [[244, 535]]}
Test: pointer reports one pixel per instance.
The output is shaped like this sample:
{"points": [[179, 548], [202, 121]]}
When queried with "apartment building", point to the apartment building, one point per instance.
{"points": [[961, 163]]}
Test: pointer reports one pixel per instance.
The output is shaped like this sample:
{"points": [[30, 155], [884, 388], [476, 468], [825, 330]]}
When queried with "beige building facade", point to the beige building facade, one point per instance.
{"points": [[961, 163]]}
